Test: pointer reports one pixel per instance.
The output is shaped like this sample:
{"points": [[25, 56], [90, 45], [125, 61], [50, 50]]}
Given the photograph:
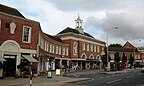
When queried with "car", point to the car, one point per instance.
{"points": [[142, 70]]}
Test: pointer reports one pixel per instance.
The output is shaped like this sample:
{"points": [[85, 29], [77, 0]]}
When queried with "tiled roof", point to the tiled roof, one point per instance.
{"points": [[115, 49], [11, 11], [68, 29], [56, 38]]}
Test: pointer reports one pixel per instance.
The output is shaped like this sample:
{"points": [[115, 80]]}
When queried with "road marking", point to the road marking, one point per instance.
{"points": [[107, 76], [113, 81], [113, 75], [139, 74], [101, 77], [130, 76]]}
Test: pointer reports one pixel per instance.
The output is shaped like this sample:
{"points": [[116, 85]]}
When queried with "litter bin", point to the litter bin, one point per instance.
{"points": [[49, 74]]}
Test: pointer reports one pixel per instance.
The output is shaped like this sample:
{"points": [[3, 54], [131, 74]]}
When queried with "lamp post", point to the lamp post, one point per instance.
{"points": [[108, 64]]}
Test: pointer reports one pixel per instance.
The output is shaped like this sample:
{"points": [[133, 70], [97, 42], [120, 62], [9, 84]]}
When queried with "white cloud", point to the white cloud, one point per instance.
{"points": [[98, 15]]}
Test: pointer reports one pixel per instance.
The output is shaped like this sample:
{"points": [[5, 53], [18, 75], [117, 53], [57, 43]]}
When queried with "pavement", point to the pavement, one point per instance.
{"points": [[55, 80]]}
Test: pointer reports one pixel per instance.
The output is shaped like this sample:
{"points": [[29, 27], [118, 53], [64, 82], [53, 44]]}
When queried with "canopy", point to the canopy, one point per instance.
{"points": [[29, 58], [2, 59]]}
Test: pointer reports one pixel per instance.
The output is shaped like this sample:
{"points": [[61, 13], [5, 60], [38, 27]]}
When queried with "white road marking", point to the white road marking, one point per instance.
{"points": [[113, 81], [139, 74], [101, 77], [130, 76]]}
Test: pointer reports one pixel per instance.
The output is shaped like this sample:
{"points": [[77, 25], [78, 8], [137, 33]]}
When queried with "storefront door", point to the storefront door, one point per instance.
{"points": [[9, 65]]}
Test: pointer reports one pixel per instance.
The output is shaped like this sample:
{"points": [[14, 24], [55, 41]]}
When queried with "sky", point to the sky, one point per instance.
{"points": [[100, 17]]}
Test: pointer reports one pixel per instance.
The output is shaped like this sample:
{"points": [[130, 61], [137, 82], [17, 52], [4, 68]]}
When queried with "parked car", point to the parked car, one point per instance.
{"points": [[142, 70]]}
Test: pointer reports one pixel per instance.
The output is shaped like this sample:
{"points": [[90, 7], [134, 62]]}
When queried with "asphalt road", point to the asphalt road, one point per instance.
{"points": [[133, 78]]}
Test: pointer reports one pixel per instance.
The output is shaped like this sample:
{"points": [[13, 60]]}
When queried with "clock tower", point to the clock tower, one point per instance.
{"points": [[78, 23]]}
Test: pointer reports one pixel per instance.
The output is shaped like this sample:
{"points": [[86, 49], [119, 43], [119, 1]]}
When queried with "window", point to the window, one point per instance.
{"points": [[50, 48], [75, 45], [47, 47], [63, 51], [98, 49], [57, 49], [42, 43], [87, 47], [83, 46], [53, 49], [91, 48], [26, 34], [94, 48], [67, 51]]}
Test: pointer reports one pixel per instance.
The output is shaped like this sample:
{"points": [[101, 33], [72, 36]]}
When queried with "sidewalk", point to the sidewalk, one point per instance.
{"points": [[39, 81], [55, 80]]}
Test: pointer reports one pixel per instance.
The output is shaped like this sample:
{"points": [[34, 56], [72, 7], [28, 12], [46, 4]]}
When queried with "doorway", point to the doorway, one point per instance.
{"points": [[9, 65]]}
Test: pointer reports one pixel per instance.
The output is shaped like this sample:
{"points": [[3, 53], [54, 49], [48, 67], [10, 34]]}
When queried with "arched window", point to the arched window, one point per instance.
{"points": [[91, 57], [83, 56]]}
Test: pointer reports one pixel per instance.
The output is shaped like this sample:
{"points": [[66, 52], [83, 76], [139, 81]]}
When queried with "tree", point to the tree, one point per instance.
{"points": [[116, 45], [131, 60], [117, 60], [116, 57], [124, 58]]}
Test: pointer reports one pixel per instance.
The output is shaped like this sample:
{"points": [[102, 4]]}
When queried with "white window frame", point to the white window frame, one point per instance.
{"points": [[47, 47], [57, 50], [91, 48], [75, 45], [29, 37], [98, 49], [95, 48], [53, 49], [63, 50], [87, 47], [50, 48], [67, 50], [84, 46]]}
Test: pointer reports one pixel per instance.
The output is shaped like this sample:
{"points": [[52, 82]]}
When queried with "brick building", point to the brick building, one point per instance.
{"points": [[128, 49], [84, 50], [23, 42]]}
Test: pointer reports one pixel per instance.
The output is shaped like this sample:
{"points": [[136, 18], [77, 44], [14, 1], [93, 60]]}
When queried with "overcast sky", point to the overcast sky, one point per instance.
{"points": [[99, 17]]}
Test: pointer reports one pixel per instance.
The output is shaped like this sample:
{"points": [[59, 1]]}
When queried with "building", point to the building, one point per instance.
{"points": [[18, 40], [84, 50], [128, 49], [22, 42]]}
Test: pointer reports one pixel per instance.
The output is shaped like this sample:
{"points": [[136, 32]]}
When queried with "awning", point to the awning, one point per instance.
{"points": [[2, 59], [29, 58]]}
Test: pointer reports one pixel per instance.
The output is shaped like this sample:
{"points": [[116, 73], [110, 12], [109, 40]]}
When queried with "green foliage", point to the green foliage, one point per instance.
{"points": [[124, 58], [116, 57], [116, 45], [131, 59]]}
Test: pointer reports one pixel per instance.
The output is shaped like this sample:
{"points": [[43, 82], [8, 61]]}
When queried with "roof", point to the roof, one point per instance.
{"points": [[122, 49], [68, 29], [10, 10], [56, 38], [128, 45]]}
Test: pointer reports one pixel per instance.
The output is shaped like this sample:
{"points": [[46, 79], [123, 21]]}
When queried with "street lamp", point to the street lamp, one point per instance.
{"points": [[108, 64]]}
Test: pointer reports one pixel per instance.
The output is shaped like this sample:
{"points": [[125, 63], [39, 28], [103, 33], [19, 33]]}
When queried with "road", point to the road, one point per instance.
{"points": [[133, 78]]}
